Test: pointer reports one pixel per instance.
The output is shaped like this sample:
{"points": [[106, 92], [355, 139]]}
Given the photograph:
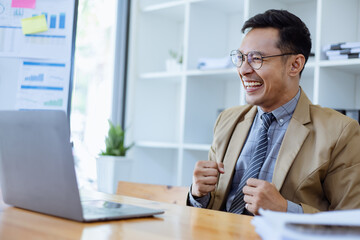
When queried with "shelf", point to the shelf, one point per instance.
{"points": [[200, 147], [149, 144], [342, 62], [211, 72], [151, 75], [166, 145], [190, 73], [348, 65]]}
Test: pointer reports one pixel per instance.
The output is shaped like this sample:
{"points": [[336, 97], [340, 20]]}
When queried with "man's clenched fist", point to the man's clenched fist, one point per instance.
{"points": [[206, 174]]}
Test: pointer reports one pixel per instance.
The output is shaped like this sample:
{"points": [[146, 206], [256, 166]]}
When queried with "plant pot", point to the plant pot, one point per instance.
{"points": [[172, 65], [110, 170]]}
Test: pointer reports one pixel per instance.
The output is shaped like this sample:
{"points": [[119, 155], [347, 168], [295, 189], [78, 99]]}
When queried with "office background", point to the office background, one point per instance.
{"points": [[172, 111], [160, 68]]}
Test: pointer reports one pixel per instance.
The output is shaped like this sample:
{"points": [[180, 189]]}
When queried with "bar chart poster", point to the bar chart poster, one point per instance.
{"points": [[43, 85], [36, 68], [53, 43]]}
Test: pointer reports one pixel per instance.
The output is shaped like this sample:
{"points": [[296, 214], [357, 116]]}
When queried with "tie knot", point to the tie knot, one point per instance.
{"points": [[267, 119]]}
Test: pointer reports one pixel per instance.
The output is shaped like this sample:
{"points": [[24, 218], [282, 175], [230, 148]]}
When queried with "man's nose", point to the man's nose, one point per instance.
{"points": [[245, 67]]}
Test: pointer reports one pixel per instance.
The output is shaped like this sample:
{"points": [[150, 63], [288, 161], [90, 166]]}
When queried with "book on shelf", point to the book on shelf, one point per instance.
{"points": [[350, 45], [336, 46], [214, 63], [344, 56], [342, 51], [341, 46]]}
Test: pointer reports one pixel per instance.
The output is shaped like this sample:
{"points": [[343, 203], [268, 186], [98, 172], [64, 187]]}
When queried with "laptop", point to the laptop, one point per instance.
{"points": [[37, 170]]}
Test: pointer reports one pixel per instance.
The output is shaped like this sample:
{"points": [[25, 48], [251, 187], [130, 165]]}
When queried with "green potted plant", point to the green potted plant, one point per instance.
{"points": [[113, 165], [174, 63]]}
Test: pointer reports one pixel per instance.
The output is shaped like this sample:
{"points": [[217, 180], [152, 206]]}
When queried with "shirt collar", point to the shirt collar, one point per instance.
{"points": [[283, 113]]}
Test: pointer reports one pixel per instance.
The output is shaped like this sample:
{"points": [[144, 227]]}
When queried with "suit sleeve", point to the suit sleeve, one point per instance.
{"points": [[341, 185], [212, 151], [212, 157], [309, 209]]}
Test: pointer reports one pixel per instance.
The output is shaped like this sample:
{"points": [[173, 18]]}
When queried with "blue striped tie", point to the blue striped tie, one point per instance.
{"points": [[238, 204]]}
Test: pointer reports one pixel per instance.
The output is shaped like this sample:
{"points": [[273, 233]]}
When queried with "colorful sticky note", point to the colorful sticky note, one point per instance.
{"points": [[34, 24], [23, 3]]}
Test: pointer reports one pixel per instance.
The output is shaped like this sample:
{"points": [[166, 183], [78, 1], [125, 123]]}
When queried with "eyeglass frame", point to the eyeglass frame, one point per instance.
{"points": [[235, 52]]}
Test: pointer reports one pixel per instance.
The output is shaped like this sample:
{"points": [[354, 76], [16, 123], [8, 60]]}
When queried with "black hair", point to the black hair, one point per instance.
{"points": [[294, 36]]}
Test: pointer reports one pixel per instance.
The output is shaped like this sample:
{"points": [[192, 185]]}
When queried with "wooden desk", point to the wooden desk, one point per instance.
{"points": [[178, 222]]}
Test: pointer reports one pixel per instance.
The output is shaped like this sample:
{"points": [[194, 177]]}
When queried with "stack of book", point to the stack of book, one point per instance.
{"points": [[344, 50]]}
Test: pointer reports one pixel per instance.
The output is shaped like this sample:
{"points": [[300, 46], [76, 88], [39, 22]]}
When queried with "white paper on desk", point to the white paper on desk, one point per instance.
{"points": [[272, 225]]}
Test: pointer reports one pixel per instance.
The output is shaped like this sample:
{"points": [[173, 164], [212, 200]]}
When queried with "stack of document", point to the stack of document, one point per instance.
{"points": [[343, 224], [214, 63], [345, 50]]}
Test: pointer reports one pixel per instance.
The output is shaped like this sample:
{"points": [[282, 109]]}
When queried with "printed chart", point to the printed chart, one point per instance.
{"points": [[53, 43], [35, 68], [43, 85]]}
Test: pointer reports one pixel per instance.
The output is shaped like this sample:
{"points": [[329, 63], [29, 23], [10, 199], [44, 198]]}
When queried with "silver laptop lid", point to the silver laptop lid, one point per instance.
{"points": [[36, 163]]}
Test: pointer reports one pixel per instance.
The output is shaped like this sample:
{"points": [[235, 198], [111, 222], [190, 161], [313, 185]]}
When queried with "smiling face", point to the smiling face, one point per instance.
{"points": [[274, 84]]}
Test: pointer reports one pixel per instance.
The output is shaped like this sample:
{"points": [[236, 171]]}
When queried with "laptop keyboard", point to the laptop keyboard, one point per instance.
{"points": [[90, 210], [103, 210], [100, 208]]}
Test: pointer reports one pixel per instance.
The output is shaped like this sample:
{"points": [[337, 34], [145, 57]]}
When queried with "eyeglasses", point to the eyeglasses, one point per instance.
{"points": [[254, 58]]}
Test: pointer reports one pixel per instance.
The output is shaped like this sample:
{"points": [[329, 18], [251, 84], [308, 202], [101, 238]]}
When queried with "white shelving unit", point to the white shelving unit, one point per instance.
{"points": [[170, 115]]}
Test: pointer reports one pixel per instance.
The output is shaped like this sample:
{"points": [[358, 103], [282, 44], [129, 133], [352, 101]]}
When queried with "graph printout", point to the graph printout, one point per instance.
{"points": [[43, 85], [35, 66], [54, 43]]}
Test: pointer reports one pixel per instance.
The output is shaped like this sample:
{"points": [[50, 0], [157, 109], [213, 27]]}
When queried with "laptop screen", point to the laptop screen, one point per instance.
{"points": [[36, 162]]}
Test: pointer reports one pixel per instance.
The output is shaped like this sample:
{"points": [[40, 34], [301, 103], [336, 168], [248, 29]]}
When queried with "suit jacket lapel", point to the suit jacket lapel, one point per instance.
{"points": [[293, 140], [231, 156]]}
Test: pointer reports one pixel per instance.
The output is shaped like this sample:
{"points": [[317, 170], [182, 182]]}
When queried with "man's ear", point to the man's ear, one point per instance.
{"points": [[296, 65]]}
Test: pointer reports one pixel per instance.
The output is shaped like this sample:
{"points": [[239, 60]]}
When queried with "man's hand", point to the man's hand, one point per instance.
{"points": [[262, 194], [206, 174]]}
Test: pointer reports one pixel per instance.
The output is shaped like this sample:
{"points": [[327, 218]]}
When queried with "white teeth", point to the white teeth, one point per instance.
{"points": [[251, 84]]}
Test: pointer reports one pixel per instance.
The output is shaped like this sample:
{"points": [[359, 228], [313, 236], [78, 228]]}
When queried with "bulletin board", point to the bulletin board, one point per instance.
{"points": [[36, 69]]}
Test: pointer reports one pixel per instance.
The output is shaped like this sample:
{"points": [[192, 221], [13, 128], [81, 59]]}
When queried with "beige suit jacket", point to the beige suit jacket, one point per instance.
{"points": [[318, 165]]}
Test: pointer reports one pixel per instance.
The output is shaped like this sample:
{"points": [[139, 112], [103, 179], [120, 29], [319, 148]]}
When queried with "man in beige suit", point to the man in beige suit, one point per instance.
{"points": [[310, 161]]}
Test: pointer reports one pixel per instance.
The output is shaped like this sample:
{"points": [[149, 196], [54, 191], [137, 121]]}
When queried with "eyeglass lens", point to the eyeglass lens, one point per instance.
{"points": [[253, 58]]}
